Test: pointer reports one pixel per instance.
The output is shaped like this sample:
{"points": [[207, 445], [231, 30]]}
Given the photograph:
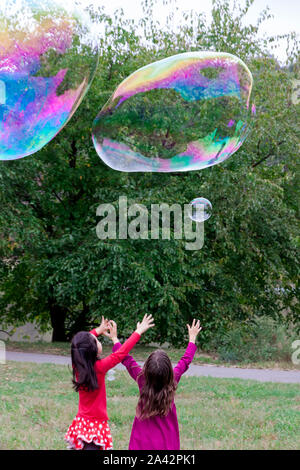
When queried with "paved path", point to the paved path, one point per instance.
{"points": [[262, 375]]}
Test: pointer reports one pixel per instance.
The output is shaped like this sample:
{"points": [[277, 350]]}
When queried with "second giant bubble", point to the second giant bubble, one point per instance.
{"points": [[187, 112]]}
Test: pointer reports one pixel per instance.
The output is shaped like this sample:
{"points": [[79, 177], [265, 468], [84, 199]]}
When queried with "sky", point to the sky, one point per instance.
{"points": [[286, 14]]}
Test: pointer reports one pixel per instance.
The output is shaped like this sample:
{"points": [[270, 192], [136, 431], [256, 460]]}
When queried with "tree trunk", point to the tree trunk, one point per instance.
{"points": [[58, 316], [80, 323]]}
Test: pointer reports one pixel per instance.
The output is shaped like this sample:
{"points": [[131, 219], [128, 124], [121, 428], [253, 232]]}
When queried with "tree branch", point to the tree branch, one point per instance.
{"points": [[72, 159], [267, 156]]}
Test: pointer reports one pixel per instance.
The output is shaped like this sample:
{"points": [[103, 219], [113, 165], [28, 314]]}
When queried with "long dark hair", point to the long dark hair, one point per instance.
{"points": [[84, 352], [158, 392]]}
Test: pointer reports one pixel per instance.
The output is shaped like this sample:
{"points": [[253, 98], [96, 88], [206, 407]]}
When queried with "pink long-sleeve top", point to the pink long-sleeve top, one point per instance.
{"points": [[156, 432]]}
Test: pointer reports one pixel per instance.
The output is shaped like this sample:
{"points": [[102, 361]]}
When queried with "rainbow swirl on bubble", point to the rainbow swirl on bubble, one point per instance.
{"points": [[43, 78], [186, 112]]}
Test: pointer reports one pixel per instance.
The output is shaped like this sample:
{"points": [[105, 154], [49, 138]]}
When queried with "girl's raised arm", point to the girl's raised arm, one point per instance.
{"points": [[116, 357], [131, 365], [190, 351], [120, 354]]}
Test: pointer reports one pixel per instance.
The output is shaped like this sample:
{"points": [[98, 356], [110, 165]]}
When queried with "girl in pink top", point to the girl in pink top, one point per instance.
{"points": [[155, 425]]}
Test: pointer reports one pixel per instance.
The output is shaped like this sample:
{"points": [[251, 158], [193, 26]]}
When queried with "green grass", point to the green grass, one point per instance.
{"points": [[37, 405], [141, 352]]}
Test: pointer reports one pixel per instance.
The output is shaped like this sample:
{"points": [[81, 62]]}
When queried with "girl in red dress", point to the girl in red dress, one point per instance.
{"points": [[90, 429]]}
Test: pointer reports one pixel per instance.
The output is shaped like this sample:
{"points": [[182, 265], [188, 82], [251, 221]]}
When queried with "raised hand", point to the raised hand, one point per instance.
{"points": [[112, 331], [145, 324], [101, 330], [194, 330]]}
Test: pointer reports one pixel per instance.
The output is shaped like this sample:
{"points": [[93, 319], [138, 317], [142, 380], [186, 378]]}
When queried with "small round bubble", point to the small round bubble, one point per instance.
{"points": [[48, 56], [200, 209], [186, 112]]}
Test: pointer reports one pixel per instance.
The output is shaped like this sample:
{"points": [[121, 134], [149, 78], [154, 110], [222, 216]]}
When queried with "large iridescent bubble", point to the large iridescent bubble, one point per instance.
{"points": [[187, 112], [48, 55]]}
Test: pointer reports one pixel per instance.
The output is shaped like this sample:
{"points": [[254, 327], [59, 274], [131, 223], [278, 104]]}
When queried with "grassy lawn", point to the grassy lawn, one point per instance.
{"points": [[37, 405], [141, 352]]}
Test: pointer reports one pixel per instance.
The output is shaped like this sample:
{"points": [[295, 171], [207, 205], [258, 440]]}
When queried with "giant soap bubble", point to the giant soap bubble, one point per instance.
{"points": [[187, 112], [48, 55]]}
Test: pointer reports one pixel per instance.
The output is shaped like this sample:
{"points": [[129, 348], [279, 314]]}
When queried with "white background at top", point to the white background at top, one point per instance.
{"points": [[286, 14]]}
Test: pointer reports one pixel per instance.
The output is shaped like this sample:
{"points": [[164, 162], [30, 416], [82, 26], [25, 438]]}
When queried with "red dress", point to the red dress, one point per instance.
{"points": [[86, 430], [91, 422]]}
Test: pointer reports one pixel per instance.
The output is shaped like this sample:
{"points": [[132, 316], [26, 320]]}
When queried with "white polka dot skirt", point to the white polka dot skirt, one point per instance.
{"points": [[88, 430]]}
